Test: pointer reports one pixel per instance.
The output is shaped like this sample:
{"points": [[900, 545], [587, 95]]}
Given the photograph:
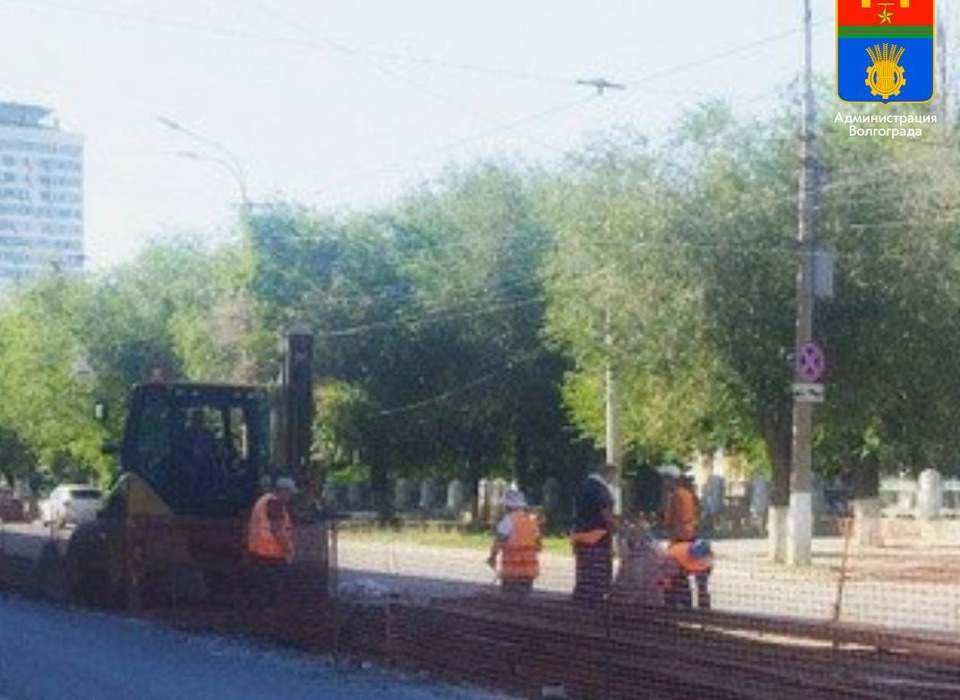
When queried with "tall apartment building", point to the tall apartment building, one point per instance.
{"points": [[41, 194]]}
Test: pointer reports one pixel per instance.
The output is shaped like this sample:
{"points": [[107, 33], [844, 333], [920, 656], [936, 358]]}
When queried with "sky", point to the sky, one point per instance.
{"points": [[346, 104]]}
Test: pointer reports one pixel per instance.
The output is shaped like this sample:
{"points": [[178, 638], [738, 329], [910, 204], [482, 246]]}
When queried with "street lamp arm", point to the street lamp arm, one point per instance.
{"points": [[225, 158], [230, 165]]}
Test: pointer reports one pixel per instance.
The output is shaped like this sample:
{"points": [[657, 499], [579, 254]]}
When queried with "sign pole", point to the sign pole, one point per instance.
{"points": [[800, 516]]}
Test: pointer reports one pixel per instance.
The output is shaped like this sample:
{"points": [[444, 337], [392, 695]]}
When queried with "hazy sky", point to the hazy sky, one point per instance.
{"points": [[347, 103]]}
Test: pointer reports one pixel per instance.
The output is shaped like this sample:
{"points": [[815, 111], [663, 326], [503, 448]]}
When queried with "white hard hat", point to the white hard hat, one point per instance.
{"points": [[669, 470], [514, 499], [285, 483]]}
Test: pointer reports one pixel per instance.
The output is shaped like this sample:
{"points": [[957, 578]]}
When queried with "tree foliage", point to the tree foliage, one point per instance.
{"points": [[467, 329]]}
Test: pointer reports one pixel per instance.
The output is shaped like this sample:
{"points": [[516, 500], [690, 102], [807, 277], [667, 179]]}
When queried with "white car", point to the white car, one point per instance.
{"points": [[71, 504]]}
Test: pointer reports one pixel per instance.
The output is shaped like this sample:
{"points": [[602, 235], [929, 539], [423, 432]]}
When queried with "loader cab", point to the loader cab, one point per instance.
{"points": [[193, 458], [203, 448]]}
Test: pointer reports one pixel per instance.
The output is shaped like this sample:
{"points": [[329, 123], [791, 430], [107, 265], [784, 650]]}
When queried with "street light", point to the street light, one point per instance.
{"points": [[230, 166], [217, 153], [222, 156]]}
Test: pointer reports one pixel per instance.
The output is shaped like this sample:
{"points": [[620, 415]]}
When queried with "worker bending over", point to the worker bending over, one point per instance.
{"points": [[680, 523], [683, 560], [270, 543]]}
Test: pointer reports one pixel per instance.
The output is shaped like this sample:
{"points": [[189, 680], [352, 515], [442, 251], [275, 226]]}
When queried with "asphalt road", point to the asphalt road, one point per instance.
{"points": [[743, 580], [51, 653], [26, 539], [912, 589]]}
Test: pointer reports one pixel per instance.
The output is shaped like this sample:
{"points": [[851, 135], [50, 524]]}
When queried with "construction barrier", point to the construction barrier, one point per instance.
{"points": [[859, 622]]}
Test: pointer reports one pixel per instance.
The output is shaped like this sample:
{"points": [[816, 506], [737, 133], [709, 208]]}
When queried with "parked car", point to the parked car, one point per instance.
{"points": [[11, 507], [70, 504]]}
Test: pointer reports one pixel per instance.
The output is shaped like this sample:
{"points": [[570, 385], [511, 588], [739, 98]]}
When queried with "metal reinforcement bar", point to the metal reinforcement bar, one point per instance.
{"points": [[935, 649], [713, 667], [546, 646], [524, 646]]}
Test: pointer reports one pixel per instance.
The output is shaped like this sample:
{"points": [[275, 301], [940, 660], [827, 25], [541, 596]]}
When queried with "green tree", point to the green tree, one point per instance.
{"points": [[623, 295], [47, 410], [891, 331]]}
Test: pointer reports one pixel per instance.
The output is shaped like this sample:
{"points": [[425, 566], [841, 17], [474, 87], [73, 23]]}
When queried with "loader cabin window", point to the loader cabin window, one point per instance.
{"points": [[203, 448]]}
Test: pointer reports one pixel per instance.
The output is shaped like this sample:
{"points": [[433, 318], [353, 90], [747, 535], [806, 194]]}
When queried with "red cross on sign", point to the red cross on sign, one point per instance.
{"points": [[810, 362]]}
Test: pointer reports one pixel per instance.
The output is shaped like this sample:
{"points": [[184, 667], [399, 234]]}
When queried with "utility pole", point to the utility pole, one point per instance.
{"points": [[612, 432], [800, 518], [613, 453]]}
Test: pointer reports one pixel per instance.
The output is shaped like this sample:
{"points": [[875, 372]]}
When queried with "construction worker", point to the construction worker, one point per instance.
{"points": [[680, 511], [686, 559], [200, 460], [643, 575], [270, 543], [592, 537], [518, 541], [680, 523]]}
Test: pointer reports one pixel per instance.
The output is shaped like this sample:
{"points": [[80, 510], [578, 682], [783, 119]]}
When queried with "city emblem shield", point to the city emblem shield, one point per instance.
{"points": [[885, 50]]}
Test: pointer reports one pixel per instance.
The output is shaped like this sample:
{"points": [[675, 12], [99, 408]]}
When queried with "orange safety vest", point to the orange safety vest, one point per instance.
{"points": [[590, 537], [519, 559], [261, 540], [681, 515], [680, 553]]}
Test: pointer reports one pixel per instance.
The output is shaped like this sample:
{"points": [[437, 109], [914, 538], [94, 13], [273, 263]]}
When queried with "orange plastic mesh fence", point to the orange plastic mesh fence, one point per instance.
{"points": [[875, 614]]}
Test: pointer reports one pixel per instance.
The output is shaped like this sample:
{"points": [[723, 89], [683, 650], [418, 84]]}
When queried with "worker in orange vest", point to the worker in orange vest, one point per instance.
{"points": [[270, 543], [680, 512], [518, 542], [592, 537], [680, 521]]}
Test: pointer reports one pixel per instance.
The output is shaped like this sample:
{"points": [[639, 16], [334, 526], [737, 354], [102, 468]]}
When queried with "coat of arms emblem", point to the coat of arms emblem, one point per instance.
{"points": [[885, 50]]}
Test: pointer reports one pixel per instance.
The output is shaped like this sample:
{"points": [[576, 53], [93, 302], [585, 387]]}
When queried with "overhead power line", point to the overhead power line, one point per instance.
{"points": [[430, 318], [656, 74], [498, 130], [462, 388], [313, 42], [499, 72], [499, 294], [309, 40]]}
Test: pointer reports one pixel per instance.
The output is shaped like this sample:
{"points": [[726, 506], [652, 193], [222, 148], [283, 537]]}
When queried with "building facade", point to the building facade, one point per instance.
{"points": [[41, 195]]}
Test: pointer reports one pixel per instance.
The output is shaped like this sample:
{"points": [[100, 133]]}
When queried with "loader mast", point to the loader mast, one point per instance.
{"points": [[294, 417]]}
